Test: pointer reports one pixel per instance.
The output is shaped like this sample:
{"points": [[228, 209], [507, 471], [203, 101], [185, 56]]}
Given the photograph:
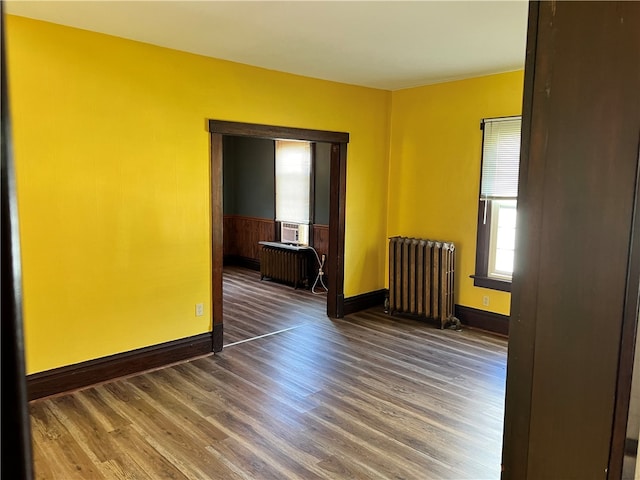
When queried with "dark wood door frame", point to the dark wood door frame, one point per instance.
{"points": [[16, 432], [554, 381], [338, 183]]}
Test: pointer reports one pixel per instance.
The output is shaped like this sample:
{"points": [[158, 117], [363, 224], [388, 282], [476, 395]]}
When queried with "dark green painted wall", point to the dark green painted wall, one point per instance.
{"points": [[249, 177]]}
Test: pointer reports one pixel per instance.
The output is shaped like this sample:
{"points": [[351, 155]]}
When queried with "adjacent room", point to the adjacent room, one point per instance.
{"points": [[275, 228]]}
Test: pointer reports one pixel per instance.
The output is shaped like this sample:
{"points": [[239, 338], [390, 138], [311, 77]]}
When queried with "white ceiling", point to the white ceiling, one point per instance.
{"points": [[381, 44]]}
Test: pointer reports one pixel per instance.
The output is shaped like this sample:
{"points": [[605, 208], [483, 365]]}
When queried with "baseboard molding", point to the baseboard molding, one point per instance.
{"points": [[217, 337], [87, 373], [245, 262], [364, 301], [489, 321], [631, 447]]}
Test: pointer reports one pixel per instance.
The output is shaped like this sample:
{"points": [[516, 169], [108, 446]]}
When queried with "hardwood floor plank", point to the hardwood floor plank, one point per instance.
{"points": [[142, 456], [275, 397], [44, 466], [72, 459], [388, 456], [365, 397], [173, 436], [287, 459], [253, 307], [114, 469], [83, 427], [180, 412], [243, 458], [275, 421], [356, 372], [101, 410], [345, 396], [44, 424], [186, 389], [373, 398]]}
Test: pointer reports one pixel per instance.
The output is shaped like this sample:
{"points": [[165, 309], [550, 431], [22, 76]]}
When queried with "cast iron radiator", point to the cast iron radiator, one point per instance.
{"points": [[288, 266], [421, 279]]}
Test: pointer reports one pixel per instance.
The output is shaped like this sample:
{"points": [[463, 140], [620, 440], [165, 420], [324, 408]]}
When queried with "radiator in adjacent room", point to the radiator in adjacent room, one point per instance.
{"points": [[421, 279], [284, 264]]}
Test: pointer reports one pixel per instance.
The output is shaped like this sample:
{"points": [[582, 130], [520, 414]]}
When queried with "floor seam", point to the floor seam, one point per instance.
{"points": [[263, 336]]}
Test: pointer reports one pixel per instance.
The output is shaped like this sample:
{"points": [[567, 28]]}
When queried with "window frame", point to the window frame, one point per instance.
{"points": [[483, 245], [482, 278]]}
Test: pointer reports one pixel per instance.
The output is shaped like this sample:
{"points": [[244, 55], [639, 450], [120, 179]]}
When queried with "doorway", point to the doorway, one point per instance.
{"points": [[337, 191]]}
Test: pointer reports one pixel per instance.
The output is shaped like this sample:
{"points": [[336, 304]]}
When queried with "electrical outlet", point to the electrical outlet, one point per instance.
{"points": [[485, 300], [199, 309]]}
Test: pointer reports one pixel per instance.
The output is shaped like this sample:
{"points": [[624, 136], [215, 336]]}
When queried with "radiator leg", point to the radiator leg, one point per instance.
{"points": [[453, 323]]}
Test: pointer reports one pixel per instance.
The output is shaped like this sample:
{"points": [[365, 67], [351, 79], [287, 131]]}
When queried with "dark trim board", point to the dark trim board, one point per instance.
{"points": [[472, 317], [489, 321], [492, 283], [631, 447], [240, 261], [337, 194], [87, 373], [241, 129], [218, 329], [337, 214], [364, 301]]}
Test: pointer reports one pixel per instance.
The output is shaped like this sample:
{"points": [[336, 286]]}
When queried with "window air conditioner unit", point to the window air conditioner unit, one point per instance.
{"points": [[296, 233]]}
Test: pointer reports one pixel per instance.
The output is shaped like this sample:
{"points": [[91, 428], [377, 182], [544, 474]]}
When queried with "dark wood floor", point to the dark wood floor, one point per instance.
{"points": [[368, 397], [253, 308]]}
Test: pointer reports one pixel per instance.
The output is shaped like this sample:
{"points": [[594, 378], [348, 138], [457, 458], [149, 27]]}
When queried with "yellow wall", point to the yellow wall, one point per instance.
{"points": [[113, 179], [434, 167], [113, 182]]}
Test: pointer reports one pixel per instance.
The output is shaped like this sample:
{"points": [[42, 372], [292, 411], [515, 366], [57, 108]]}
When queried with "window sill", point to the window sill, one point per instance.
{"points": [[492, 283]]}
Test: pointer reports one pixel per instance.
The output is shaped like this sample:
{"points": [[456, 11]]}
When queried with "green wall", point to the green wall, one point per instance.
{"points": [[249, 178], [249, 173]]}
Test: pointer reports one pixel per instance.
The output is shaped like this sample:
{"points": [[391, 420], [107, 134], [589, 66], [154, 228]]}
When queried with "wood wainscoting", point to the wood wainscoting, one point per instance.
{"points": [[320, 242], [241, 237], [242, 234], [321, 239]]}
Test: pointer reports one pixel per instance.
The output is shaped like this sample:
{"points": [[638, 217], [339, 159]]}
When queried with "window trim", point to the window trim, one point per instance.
{"points": [[483, 241]]}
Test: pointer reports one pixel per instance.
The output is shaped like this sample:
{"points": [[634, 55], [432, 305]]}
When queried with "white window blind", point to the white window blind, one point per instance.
{"points": [[293, 181], [500, 158]]}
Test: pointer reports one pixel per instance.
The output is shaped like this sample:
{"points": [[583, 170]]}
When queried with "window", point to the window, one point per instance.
{"points": [[293, 184], [497, 203], [502, 239]]}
